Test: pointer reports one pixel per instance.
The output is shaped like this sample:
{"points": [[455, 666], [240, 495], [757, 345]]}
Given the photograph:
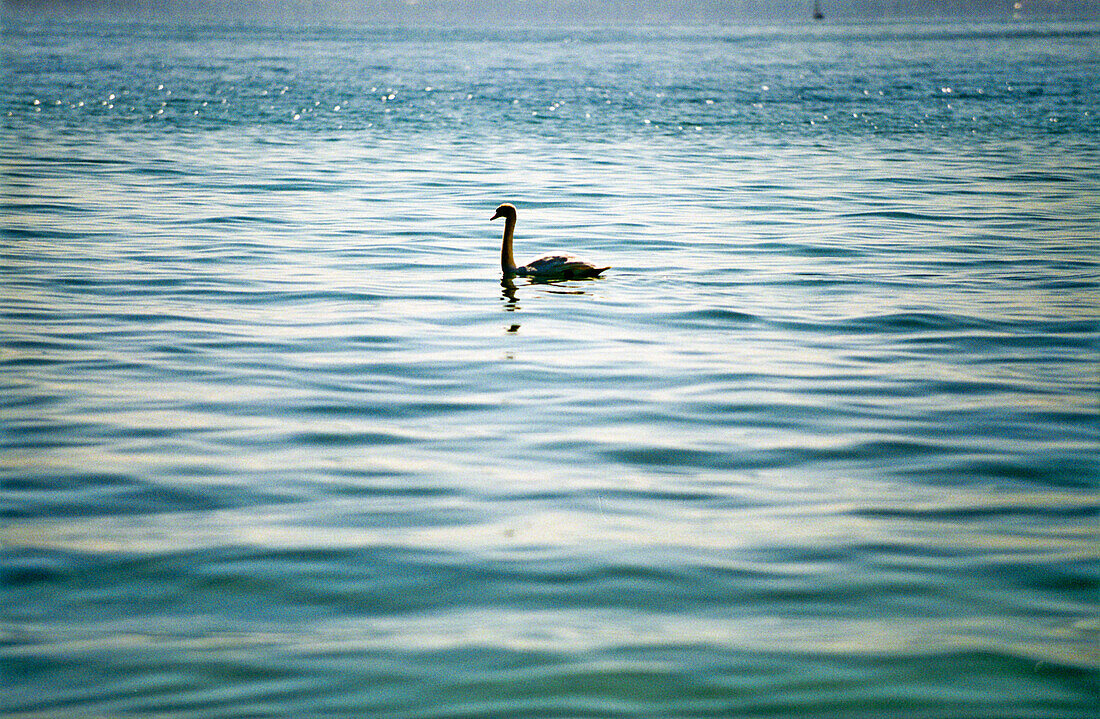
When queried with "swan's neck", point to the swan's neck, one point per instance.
{"points": [[507, 263]]}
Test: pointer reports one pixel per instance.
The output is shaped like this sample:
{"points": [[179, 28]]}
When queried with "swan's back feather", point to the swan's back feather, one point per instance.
{"points": [[559, 266]]}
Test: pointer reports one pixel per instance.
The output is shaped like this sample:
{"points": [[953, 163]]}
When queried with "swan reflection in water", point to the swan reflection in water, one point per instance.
{"points": [[511, 300], [508, 294]]}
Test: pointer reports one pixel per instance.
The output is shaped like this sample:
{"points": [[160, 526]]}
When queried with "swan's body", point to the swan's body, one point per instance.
{"points": [[554, 267]]}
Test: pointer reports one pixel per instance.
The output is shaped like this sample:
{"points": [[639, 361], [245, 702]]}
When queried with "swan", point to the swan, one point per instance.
{"points": [[554, 267]]}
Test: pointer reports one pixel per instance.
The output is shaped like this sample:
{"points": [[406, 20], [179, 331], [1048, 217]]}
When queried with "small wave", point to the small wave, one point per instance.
{"points": [[913, 321], [1040, 177], [667, 457], [347, 439], [713, 316], [1064, 473], [802, 249], [894, 323], [101, 493], [46, 232], [901, 215], [48, 208], [235, 220], [1026, 507]]}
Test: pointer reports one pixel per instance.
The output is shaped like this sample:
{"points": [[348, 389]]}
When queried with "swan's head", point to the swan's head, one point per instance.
{"points": [[506, 211]]}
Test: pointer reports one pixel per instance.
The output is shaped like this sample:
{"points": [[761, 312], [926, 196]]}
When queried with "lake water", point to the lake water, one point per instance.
{"points": [[822, 443]]}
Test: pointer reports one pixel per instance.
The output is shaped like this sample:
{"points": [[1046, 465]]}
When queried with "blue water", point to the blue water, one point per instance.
{"points": [[822, 443]]}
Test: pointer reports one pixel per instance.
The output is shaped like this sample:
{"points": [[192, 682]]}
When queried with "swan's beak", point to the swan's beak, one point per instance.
{"points": [[496, 215]]}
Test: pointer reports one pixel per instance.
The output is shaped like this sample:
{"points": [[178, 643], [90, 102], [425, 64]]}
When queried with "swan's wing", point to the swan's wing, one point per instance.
{"points": [[559, 266], [553, 263]]}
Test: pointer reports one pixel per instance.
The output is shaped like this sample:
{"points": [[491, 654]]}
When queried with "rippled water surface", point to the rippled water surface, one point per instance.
{"points": [[277, 441]]}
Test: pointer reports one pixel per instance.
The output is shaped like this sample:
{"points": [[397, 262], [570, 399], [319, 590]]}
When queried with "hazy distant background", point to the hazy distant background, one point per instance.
{"points": [[509, 12]]}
